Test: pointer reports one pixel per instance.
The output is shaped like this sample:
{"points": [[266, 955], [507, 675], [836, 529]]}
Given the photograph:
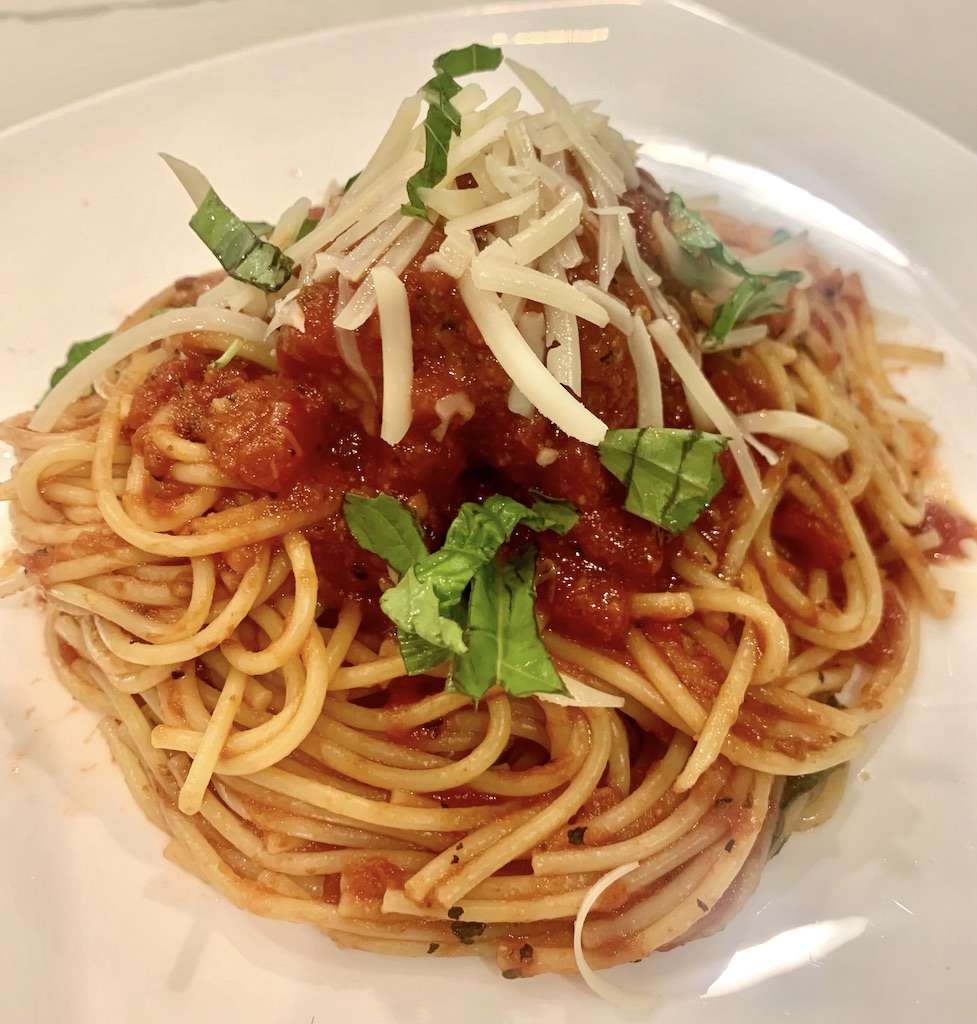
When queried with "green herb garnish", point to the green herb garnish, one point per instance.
{"points": [[382, 525], [575, 835], [502, 636], [456, 604], [425, 604], [670, 475], [442, 118], [240, 251], [76, 353], [755, 294]]}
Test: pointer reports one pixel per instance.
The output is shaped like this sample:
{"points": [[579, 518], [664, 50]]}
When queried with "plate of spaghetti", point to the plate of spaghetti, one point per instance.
{"points": [[488, 565]]}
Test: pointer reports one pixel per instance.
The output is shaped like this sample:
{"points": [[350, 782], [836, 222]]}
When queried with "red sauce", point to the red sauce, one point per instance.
{"points": [[309, 434], [952, 527], [368, 879], [887, 641], [812, 539]]}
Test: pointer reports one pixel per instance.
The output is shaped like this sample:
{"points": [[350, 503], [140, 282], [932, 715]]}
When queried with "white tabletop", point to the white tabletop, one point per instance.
{"points": [[918, 53]]}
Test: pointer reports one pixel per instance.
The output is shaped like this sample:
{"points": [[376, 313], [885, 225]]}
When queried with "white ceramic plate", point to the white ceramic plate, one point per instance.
{"points": [[868, 918]]}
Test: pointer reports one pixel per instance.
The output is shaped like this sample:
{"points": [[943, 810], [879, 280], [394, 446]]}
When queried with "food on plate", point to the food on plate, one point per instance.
{"points": [[499, 557]]}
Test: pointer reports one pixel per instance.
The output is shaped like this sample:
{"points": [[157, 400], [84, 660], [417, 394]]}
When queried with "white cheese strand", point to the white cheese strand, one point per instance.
{"points": [[236, 295], [526, 371], [541, 235], [581, 140], [357, 311], [618, 312], [495, 212], [397, 350], [532, 326], [580, 695], [357, 261], [452, 203], [349, 349], [493, 274], [287, 312], [290, 223], [191, 178], [562, 334], [78, 381], [388, 185], [392, 145], [712, 405], [797, 427], [650, 406], [622, 998]]}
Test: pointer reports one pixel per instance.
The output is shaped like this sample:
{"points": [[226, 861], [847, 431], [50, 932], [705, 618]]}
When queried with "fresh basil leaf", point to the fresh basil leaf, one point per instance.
{"points": [[240, 251], [468, 59], [439, 91], [383, 526], [426, 604], [670, 475], [731, 310], [443, 118], [415, 607], [477, 533], [437, 133], [307, 225], [754, 295], [260, 227], [503, 639], [76, 353], [350, 180]]}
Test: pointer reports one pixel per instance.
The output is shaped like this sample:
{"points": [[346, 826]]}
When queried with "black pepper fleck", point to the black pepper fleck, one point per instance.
{"points": [[511, 973], [702, 906], [575, 835], [434, 947], [467, 931], [455, 912], [526, 952], [730, 845]]}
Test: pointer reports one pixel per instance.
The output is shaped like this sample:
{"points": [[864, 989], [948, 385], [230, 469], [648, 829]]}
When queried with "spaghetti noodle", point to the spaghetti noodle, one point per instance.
{"points": [[182, 500]]}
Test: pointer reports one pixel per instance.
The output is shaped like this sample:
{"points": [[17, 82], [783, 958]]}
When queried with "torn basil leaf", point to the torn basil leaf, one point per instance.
{"points": [[439, 580], [384, 527], [468, 59], [443, 118], [503, 639], [307, 225], [430, 605], [76, 353], [670, 475], [239, 250], [755, 294]]}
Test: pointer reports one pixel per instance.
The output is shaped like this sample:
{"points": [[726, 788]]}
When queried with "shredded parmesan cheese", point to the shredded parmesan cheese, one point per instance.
{"points": [[397, 353], [820, 437], [712, 405], [493, 274], [621, 998], [580, 695], [524, 369], [650, 405]]}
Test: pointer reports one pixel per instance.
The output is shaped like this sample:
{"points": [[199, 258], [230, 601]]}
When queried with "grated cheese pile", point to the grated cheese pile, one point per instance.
{"points": [[533, 211]]}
